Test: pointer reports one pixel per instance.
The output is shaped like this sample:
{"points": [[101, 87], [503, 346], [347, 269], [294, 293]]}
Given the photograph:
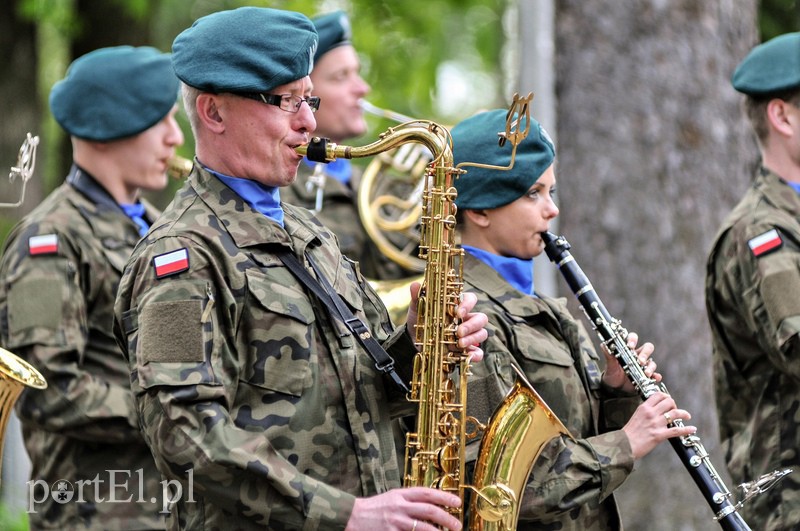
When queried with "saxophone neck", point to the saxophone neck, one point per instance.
{"points": [[430, 134]]}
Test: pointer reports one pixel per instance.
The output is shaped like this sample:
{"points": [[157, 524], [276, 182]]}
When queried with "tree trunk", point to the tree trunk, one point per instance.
{"points": [[653, 152]]}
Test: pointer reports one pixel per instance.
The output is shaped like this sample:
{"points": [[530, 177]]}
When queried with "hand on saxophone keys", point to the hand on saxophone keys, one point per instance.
{"points": [[471, 330]]}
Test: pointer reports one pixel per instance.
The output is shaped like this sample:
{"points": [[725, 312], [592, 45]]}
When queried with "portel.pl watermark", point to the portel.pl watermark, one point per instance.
{"points": [[113, 488]]}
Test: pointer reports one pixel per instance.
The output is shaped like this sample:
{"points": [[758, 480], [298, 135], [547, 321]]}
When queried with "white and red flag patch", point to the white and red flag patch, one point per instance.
{"points": [[171, 262], [43, 244], [764, 243]]}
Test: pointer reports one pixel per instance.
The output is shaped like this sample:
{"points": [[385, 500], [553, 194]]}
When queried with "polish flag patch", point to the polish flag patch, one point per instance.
{"points": [[769, 241], [43, 244], [171, 263]]}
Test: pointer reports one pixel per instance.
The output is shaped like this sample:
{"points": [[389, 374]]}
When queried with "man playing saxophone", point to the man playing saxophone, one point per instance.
{"points": [[250, 389], [501, 217], [60, 271]]}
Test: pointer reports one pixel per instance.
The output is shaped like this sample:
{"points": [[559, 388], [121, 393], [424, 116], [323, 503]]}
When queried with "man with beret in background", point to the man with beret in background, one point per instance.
{"points": [[251, 391], [331, 190], [753, 293], [60, 271]]}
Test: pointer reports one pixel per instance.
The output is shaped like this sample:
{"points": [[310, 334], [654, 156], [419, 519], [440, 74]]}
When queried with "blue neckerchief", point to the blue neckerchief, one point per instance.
{"points": [[796, 186], [264, 199], [515, 271], [339, 169], [136, 213]]}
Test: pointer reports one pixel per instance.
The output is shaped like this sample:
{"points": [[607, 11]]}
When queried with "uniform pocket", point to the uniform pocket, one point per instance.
{"points": [[280, 332]]}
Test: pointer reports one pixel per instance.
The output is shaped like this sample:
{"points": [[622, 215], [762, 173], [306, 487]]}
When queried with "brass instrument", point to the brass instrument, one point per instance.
{"points": [[179, 167], [26, 161], [390, 196], [516, 433], [15, 375]]}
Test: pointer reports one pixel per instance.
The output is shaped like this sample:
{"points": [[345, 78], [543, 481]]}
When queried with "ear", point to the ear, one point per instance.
{"points": [[208, 112], [780, 117], [477, 217]]}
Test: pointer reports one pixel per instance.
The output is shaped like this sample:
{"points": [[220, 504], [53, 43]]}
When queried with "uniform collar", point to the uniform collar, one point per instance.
{"points": [[778, 192], [246, 225]]}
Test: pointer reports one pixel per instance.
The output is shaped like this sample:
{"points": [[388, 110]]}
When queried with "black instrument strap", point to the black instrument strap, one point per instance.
{"points": [[337, 307]]}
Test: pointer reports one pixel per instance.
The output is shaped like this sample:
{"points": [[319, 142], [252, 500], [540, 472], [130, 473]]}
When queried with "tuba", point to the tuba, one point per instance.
{"points": [[522, 425]]}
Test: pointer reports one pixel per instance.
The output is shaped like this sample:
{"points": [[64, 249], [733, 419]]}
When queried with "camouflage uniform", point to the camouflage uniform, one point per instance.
{"points": [[753, 302], [267, 410], [572, 481], [56, 312], [340, 214]]}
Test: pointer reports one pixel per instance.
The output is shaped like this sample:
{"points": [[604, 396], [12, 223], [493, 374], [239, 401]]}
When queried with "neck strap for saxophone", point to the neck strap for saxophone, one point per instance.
{"points": [[336, 307]]}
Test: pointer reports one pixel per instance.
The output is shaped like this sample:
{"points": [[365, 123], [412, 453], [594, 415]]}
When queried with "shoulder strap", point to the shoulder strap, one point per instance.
{"points": [[337, 307]]}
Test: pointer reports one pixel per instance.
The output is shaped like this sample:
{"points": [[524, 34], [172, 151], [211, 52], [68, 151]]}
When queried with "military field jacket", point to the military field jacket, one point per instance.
{"points": [[571, 484], [339, 213], [249, 393], [753, 302], [59, 275]]}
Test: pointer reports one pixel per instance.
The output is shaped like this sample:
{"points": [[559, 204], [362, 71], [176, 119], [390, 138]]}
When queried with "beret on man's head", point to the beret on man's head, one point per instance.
{"points": [[334, 30], [249, 49], [113, 93], [475, 140], [770, 67]]}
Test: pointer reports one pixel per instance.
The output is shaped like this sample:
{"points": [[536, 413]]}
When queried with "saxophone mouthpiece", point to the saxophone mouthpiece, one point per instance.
{"points": [[321, 149]]}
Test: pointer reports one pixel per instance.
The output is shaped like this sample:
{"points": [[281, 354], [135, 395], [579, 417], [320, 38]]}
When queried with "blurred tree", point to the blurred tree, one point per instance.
{"points": [[654, 152]]}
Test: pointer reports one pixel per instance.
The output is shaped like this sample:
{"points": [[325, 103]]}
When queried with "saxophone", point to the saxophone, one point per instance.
{"points": [[690, 449], [519, 428]]}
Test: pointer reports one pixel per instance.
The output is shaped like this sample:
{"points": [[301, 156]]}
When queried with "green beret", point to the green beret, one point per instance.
{"points": [[771, 67], [334, 30], [249, 49], [113, 93], [475, 140]]}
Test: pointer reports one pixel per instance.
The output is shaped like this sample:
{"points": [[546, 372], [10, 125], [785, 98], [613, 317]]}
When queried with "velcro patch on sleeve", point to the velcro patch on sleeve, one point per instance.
{"points": [[171, 331], [35, 303], [171, 263], [43, 244], [782, 295], [765, 243]]}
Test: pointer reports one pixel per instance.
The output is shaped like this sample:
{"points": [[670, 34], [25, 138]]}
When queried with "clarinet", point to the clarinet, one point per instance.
{"points": [[690, 450]]}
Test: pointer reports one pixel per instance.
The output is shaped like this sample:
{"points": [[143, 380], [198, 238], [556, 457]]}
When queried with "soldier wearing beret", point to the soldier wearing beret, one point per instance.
{"points": [[330, 190], [572, 482], [60, 271], [251, 392], [753, 293]]}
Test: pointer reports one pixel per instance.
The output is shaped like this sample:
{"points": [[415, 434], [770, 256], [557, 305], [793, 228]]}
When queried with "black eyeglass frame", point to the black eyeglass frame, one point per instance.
{"points": [[277, 100]]}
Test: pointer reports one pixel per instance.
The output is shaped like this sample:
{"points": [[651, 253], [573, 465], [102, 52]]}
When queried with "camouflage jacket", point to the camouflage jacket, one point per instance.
{"points": [[339, 213], [572, 481], [60, 271], [753, 303], [265, 409]]}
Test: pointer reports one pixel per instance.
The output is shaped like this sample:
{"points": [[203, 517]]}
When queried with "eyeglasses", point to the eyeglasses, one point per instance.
{"points": [[287, 102]]}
